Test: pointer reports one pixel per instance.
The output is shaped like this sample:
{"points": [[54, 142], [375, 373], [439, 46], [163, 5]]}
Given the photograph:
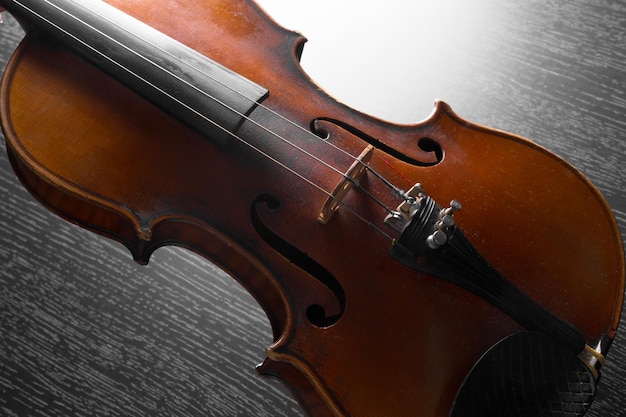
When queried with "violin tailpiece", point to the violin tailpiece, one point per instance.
{"points": [[432, 243]]}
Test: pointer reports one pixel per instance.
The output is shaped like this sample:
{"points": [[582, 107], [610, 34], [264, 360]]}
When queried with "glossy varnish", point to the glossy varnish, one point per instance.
{"points": [[196, 210]]}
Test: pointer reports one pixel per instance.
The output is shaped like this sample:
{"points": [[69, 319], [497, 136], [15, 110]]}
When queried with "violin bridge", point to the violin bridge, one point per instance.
{"points": [[350, 178]]}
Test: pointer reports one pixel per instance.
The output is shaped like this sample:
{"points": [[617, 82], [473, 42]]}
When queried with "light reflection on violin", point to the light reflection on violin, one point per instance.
{"points": [[278, 162]]}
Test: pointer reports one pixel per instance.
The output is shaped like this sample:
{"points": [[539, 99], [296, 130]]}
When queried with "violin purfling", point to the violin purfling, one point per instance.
{"points": [[403, 268]]}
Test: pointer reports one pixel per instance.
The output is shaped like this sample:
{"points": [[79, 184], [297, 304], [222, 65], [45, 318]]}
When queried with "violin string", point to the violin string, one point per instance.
{"points": [[235, 136], [264, 154], [394, 169], [397, 191]]}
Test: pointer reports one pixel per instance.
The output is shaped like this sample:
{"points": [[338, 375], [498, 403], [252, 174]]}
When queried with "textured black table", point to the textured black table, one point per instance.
{"points": [[85, 332]]}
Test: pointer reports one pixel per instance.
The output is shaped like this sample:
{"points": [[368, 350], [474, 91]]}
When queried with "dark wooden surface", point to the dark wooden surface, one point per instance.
{"points": [[85, 332]]}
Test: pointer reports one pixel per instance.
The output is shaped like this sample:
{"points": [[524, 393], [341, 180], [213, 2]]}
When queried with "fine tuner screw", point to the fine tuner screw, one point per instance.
{"points": [[439, 237]]}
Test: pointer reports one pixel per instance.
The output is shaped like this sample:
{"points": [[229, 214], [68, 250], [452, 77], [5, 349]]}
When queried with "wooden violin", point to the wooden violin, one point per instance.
{"points": [[429, 269]]}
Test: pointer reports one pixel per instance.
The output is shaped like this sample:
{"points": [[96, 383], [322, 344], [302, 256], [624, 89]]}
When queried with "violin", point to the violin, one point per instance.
{"points": [[430, 269]]}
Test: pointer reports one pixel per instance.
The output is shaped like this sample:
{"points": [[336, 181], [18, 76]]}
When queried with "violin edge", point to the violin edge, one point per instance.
{"points": [[141, 237], [145, 252], [443, 108]]}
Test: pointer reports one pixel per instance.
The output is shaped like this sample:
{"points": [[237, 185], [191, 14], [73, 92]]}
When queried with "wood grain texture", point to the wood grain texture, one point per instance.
{"points": [[85, 332]]}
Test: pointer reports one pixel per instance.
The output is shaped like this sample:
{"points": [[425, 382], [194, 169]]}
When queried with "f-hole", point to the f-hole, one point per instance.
{"points": [[426, 144], [431, 145], [316, 314]]}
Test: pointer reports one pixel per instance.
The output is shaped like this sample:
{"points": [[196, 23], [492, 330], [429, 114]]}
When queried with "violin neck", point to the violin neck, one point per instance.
{"points": [[193, 88]]}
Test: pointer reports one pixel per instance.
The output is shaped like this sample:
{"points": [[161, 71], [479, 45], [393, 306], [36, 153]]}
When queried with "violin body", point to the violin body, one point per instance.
{"points": [[356, 333]]}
